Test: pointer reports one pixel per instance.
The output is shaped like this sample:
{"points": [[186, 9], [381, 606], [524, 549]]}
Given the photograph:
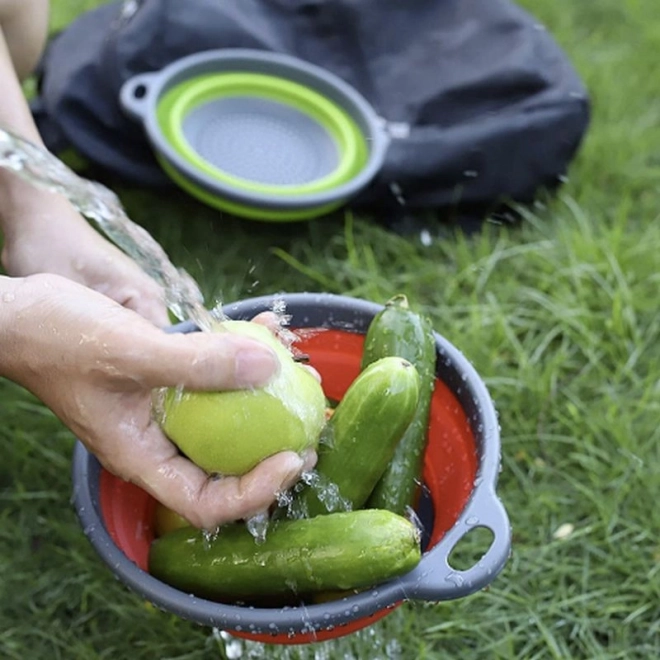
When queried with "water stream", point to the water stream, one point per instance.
{"points": [[376, 642], [96, 202]]}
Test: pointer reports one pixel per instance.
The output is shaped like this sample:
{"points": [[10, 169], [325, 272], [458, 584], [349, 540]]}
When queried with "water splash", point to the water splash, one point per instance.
{"points": [[99, 204], [413, 517], [258, 525], [325, 490], [209, 537], [376, 642]]}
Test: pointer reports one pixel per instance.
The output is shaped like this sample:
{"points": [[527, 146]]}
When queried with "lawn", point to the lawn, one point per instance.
{"points": [[558, 313]]}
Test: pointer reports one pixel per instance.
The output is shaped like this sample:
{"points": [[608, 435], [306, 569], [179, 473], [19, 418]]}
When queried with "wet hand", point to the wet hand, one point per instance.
{"points": [[95, 364], [45, 234]]}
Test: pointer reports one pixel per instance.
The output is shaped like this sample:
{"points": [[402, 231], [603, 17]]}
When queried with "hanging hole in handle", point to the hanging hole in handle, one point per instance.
{"points": [[139, 91], [135, 93], [471, 548]]}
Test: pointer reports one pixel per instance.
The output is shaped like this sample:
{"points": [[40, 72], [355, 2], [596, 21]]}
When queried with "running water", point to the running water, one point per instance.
{"points": [[96, 202], [380, 639], [325, 490]]}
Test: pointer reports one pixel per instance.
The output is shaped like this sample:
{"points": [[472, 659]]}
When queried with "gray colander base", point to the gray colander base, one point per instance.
{"points": [[261, 140]]}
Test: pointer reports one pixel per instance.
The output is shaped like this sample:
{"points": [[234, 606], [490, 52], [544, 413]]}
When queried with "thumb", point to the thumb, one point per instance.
{"points": [[199, 360]]}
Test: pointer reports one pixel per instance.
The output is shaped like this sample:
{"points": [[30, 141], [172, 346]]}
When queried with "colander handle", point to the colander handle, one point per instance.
{"points": [[134, 94], [434, 579]]}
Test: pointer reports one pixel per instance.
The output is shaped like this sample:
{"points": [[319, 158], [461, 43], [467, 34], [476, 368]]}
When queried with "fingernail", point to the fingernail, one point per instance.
{"points": [[255, 365], [309, 458]]}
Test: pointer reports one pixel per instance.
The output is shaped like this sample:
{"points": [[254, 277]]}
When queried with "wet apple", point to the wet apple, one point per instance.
{"points": [[229, 432]]}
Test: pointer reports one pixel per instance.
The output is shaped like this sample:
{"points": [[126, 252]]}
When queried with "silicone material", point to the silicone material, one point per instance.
{"points": [[460, 474], [242, 210], [261, 133], [322, 141]]}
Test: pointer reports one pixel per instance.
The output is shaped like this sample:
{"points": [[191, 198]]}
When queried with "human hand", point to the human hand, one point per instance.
{"points": [[45, 234], [95, 364]]}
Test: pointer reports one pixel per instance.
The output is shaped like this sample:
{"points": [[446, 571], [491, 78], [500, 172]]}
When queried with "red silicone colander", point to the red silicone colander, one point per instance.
{"points": [[460, 474]]}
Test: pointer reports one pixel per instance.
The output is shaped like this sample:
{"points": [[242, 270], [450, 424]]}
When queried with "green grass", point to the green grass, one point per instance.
{"points": [[560, 316]]}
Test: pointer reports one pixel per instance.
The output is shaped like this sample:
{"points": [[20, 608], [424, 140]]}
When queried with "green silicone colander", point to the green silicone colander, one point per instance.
{"points": [[261, 133], [243, 210], [258, 134]]}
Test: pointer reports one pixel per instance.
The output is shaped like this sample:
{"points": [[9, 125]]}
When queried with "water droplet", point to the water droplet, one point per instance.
{"points": [[258, 525], [455, 578], [397, 192]]}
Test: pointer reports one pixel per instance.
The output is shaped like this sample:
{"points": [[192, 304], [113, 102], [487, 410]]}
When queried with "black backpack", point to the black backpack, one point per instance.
{"points": [[482, 104]]}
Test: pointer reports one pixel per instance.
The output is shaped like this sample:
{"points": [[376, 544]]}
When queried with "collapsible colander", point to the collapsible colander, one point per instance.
{"points": [[259, 134], [460, 473]]}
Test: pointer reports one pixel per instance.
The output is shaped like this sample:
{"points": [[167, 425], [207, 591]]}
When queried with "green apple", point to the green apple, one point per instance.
{"points": [[167, 520], [229, 432]]}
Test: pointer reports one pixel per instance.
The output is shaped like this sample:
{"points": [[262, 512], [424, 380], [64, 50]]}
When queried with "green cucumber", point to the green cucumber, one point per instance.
{"points": [[346, 550], [399, 331], [358, 441]]}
